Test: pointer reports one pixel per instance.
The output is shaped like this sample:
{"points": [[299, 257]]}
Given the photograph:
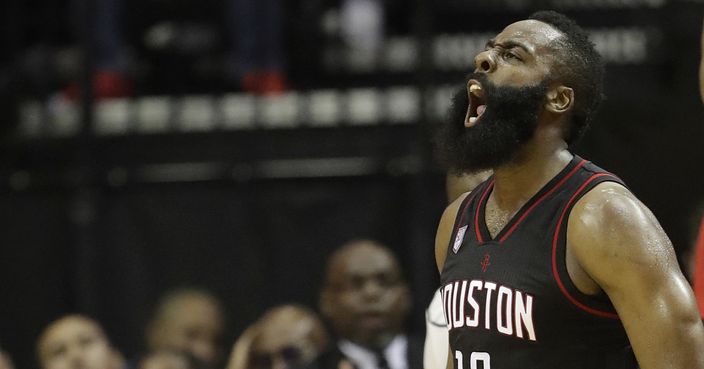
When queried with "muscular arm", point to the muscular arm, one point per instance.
{"points": [[620, 248]]}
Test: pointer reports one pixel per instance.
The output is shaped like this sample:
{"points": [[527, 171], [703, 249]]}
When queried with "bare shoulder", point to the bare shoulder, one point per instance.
{"points": [[618, 243], [609, 228], [447, 222]]}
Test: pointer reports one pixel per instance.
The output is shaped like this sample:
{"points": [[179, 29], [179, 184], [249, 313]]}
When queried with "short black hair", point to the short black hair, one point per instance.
{"points": [[580, 66]]}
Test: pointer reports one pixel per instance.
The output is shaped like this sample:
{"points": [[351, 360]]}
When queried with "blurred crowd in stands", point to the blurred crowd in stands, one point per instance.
{"points": [[363, 305], [170, 47]]}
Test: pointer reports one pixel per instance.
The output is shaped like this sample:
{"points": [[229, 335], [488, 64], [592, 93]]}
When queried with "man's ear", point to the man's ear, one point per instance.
{"points": [[559, 99]]}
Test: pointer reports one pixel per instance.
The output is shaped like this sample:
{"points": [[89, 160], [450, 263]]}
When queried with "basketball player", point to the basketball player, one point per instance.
{"points": [[552, 262]]}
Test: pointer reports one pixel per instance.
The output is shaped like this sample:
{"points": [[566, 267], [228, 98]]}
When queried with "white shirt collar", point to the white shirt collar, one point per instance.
{"points": [[363, 358]]}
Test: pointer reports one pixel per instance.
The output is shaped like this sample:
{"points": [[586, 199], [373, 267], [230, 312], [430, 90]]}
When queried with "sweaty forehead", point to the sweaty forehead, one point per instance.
{"points": [[535, 35]]}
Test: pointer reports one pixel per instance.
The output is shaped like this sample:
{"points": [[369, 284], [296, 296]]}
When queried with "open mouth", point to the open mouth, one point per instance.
{"points": [[477, 105]]}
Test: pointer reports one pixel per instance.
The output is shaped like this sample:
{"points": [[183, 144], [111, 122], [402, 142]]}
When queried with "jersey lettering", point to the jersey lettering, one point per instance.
{"points": [[473, 319], [478, 357], [503, 316], [490, 287], [512, 309], [459, 318], [475, 358], [523, 315]]}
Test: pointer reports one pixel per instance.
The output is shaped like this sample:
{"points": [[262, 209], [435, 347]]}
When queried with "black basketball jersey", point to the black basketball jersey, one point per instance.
{"points": [[509, 301]]}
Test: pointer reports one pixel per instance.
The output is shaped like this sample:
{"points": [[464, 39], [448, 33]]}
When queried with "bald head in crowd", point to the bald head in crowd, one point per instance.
{"points": [[288, 336], [188, 320], [76, 342], [365, 297]]}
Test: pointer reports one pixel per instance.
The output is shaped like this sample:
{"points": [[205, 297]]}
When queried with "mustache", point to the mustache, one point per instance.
{"points": [[479, 76]]}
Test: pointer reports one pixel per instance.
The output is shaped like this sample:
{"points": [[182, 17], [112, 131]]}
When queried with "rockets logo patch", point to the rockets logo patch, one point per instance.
{"points": [[458, 239]]}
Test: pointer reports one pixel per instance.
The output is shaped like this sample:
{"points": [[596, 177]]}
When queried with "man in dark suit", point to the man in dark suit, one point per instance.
{"points": [[366, 300]]}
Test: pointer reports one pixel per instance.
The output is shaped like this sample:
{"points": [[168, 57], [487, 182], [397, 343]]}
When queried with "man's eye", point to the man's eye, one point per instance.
{"points": [[353, 283], [510, 55], [57, 352]]}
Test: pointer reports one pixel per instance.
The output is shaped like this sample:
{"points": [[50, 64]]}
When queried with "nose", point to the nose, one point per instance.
{"points": [[485, 62], [372, 289]]}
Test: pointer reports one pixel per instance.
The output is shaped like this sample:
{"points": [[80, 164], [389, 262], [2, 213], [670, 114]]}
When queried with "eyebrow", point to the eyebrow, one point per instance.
{"points": [[508, 44]]}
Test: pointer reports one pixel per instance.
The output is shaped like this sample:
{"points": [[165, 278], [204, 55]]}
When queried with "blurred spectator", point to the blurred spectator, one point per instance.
{"points": [[256, 32], [110, 78], [167, 359], [366, 301], [286, 337], [362, 30], [188, 320], [5, 360], [76, 342], [254, 26]]}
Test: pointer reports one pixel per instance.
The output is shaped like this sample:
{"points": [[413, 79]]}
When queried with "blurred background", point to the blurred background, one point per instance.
{"points": [[232, 144]]}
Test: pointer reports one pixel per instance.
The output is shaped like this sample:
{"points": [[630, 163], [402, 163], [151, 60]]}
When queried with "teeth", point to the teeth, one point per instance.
{"points": [[475, 90]]}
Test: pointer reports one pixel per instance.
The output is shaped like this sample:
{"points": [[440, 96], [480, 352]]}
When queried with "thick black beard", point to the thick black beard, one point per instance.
{"points": [[509, 121]]}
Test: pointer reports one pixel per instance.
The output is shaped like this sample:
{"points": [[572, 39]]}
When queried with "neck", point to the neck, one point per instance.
{"points": [[535, 165]]}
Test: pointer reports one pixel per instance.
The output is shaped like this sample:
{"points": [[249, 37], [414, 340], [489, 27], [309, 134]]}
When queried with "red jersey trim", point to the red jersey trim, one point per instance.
{"points": [[698, 283], [560, 284], [476, 211], [541, 198]]}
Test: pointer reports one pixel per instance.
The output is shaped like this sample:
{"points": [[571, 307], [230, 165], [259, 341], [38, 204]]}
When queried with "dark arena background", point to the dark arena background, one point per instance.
{"points": [[188, 179]]}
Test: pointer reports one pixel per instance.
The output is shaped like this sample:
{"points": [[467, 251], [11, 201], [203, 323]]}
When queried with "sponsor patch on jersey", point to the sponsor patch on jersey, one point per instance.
{"points": [[458, 239]]}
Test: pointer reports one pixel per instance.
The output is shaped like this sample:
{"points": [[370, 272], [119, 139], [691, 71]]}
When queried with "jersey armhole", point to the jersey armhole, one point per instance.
{"points": [[462, 212], [598, 305]]}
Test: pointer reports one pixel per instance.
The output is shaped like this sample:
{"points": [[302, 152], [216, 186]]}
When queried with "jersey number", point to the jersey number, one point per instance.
{"points": [[474, 359]]}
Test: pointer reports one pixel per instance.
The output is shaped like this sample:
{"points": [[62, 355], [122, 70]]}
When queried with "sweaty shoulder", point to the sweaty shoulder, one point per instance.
{"points": [[611, 231], [447, 222], [619, 244]]}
